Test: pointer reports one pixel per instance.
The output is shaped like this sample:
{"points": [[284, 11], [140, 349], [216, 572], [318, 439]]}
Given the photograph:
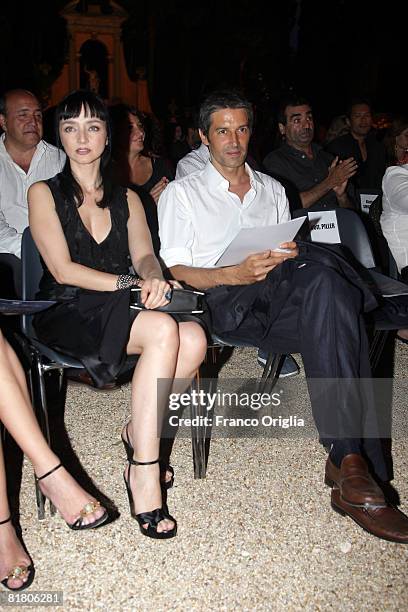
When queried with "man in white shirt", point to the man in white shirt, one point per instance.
{"points": [[282, 299], [193, 161], [24, 159], [196, 160]]}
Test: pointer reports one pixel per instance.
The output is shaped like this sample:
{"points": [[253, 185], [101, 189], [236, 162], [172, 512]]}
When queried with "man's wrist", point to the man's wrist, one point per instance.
{"points": [[229, 276], [342, 198], [329, 183]]}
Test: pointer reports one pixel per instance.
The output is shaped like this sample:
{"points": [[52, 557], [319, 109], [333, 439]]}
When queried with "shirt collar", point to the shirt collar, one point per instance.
{"points": [[214, 179], [3, 151], [298, 153]]}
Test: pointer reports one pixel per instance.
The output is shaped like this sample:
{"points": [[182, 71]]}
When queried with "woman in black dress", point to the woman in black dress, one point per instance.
{"points": [[89, 232], [138, 163]]}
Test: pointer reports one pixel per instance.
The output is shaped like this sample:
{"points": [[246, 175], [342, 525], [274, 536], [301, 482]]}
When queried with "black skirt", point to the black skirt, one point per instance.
{"points": [[94, 327]]}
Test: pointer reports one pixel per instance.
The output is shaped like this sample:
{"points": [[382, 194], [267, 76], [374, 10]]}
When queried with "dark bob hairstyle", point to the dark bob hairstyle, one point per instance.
{"points": [[70, 108]]}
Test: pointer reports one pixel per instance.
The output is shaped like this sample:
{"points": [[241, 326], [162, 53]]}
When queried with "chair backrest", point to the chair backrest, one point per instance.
{"points": [[374, 214], [31, 273], [353, 235]]}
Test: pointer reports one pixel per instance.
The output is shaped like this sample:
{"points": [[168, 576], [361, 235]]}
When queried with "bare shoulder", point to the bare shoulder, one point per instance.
{"points": [[39, 189], [40, 199], [134, 202]]}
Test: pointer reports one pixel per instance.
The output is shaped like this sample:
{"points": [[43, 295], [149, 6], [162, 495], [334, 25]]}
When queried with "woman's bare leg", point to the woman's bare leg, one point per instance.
{"points": [[156, 336], [17, 416], [12, 553], [193, 347]]}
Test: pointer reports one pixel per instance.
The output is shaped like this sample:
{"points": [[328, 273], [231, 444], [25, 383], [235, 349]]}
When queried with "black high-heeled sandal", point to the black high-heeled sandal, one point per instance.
{"points": [[19, 572], [164, 467], [88, 509], [153, 517]]}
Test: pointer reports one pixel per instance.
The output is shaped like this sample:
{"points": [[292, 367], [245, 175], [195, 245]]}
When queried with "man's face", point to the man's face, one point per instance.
{"points": [[228, 137], [299, 127], [360, 119], [22, 122]]}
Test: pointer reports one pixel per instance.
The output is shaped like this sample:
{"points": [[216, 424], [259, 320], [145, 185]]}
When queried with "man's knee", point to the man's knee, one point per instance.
{"points": [[327, 284]]}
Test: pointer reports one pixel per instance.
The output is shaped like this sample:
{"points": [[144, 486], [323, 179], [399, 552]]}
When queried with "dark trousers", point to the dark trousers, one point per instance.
{"points": [[312, 309]]}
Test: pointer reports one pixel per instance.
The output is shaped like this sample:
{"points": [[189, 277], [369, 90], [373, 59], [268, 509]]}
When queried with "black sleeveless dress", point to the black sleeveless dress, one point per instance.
{"points": [[92, 326]]}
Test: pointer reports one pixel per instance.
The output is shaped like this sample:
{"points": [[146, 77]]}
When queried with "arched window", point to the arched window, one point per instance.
{"points": [[94, 67]]}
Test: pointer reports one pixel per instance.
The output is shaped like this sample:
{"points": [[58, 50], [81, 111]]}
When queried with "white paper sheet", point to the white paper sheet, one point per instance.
{"points": [[257, 239], [324, 227]]}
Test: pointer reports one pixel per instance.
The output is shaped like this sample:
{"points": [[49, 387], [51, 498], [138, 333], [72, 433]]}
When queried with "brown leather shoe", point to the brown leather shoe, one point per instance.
{"points": [[355, 484], [386, 523]]}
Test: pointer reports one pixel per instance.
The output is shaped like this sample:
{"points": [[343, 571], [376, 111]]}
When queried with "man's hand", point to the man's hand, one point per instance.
{"points": [[255, 267], [339, 190], [341, 171]]}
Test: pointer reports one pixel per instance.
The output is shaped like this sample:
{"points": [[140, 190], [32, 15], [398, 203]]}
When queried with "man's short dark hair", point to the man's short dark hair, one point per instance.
{"points": [[218, 100], [357, 100], [291, 100]]}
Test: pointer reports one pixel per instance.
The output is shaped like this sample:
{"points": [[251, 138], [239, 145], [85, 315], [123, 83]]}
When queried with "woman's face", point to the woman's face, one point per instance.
{"points": [[136, 134], [84, 138], [401, 142]]}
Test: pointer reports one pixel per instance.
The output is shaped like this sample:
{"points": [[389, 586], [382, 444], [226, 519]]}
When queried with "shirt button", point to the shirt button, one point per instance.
{"points": [[315, 180]]}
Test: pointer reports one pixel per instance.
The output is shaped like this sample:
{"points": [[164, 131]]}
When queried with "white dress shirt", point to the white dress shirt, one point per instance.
{"points": [[394, 219], [14, 183], [193, 161], [198, 216]]}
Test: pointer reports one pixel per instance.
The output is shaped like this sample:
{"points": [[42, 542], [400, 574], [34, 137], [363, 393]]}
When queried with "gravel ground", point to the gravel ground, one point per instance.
{"points": [[257, 534]]}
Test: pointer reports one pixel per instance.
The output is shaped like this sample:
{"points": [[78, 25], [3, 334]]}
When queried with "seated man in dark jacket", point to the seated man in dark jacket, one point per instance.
{"points": [[303, 165], [362, 144]]}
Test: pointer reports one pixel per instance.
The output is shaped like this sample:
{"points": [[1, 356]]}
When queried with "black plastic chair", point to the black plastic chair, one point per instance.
{"points": [[201, 434], [42, 358], [356, 242]]}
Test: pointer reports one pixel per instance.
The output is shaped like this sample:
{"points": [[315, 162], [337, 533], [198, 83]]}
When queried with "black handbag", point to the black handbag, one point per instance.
{"points": [[183, 301]]}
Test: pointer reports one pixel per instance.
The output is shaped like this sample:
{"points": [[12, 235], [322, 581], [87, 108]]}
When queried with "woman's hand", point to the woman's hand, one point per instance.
{"points": [[158, 188], [155, 292]]}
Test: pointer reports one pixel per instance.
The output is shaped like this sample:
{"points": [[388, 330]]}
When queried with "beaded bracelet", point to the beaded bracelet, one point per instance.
{"points": [[124, 281]]}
